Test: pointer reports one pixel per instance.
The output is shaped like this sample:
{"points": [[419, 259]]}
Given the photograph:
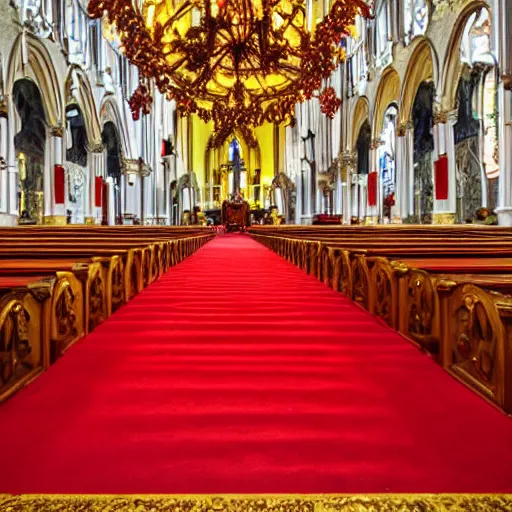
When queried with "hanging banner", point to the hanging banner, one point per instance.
{"points": [[441, 177], [372, 189], [98, 189], [58, 181]]}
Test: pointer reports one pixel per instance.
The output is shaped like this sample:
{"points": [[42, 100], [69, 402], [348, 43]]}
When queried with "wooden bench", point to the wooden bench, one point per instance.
{"points": [[420, 285], [54, 289]]}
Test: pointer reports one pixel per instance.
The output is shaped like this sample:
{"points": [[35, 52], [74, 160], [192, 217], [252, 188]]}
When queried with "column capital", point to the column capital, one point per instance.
{"points": [[56, 131], [375, 143], [402, 129], [95, 147], [4, 110], [507, 81]]}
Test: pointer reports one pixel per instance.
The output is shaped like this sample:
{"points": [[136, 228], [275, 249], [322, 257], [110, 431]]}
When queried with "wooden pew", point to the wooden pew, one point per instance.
{"points": [[62, 285], [427, 288]]}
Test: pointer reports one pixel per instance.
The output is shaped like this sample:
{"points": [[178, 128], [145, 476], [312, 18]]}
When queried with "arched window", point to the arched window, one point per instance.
{"points": [[422, 115], [363, 148], [386, 152], [415, 18], [234, 150], [383, 39], [357, 61]]}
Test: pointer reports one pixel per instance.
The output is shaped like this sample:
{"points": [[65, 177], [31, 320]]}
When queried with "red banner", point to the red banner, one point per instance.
{"points": [[58, 182], [98, 191], [372, 189], [441, 177]]}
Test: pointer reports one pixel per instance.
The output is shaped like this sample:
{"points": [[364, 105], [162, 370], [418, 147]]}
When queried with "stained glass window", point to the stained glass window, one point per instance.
{"points": [[415, 18]]}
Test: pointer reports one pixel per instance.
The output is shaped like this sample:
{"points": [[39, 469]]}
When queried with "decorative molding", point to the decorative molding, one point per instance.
{"points": [[54, 220], [260, 503], [443, 218]]}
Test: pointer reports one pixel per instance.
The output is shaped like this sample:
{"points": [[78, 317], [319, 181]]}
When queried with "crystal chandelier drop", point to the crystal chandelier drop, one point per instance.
{"points": [[236, 62]]}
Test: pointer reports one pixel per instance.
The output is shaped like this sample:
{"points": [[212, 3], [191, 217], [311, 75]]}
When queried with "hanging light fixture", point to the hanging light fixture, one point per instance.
{"points": [[236, 62]]}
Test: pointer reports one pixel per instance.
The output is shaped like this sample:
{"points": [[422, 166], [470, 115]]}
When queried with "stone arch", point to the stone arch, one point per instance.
{"points": [[452, 66], [388, 92], [78, 90], [422, 67], [40, 69], [109, 111], [360, 115]]}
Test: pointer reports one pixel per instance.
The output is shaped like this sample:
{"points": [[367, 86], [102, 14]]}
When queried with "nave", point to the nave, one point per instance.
{"points": [[238, 373]]}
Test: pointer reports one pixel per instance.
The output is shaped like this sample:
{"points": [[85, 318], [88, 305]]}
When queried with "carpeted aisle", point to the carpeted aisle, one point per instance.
{"points": [[238, 373]]}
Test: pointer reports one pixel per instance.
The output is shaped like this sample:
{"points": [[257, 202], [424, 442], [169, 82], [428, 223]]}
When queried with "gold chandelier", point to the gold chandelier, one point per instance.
{"points": [[236, 62]]}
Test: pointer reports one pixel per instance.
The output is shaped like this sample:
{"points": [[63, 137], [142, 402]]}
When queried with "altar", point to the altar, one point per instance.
{"points": [[236, 215]]}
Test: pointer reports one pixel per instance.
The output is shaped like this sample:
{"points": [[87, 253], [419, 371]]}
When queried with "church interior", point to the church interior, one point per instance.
{"points": [[253, 255]]}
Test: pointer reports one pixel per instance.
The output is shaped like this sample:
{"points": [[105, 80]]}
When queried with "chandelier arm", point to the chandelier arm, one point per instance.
{"points": [[183, 10]]}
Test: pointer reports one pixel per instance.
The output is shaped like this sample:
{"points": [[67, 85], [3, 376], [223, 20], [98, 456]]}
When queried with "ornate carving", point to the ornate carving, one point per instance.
{"points": [[421, 304], [360, 281], [477, 338], [65, 315], [382, 279], [345, 274], [443, 218], [4, 111], [95, 147], [15, 347], [118, 288], [440, 117], [96, 300], [146, 267], [259, 503], [57, 131]]}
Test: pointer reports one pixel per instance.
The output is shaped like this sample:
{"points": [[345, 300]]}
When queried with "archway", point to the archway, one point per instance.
{"points": [[387, 159], [30, 143], [476, 142], [423, 122], [360, 179], [111, 141], [76, 165]]}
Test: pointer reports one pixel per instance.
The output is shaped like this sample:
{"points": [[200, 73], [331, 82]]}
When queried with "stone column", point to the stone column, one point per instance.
{"points": [[348, 162], [398, 212], [372, 212], [10, 178], [5, 161], [298, 198], [96, 160], [54, 214], [502, 29], [444, 144]]}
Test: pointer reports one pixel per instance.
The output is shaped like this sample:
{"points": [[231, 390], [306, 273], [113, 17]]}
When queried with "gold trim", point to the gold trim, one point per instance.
{"points": [[259, 503], [371, 220], [89, 221], [55, 220], [443, 218]]}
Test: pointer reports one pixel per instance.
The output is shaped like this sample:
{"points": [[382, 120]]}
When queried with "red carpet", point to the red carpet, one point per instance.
{"points": [[237, 373]]}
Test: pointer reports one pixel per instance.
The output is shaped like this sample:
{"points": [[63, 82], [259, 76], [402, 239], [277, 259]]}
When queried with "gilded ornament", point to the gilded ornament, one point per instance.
{"points": [[259, 503], [443, 218], [241, 64]]}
